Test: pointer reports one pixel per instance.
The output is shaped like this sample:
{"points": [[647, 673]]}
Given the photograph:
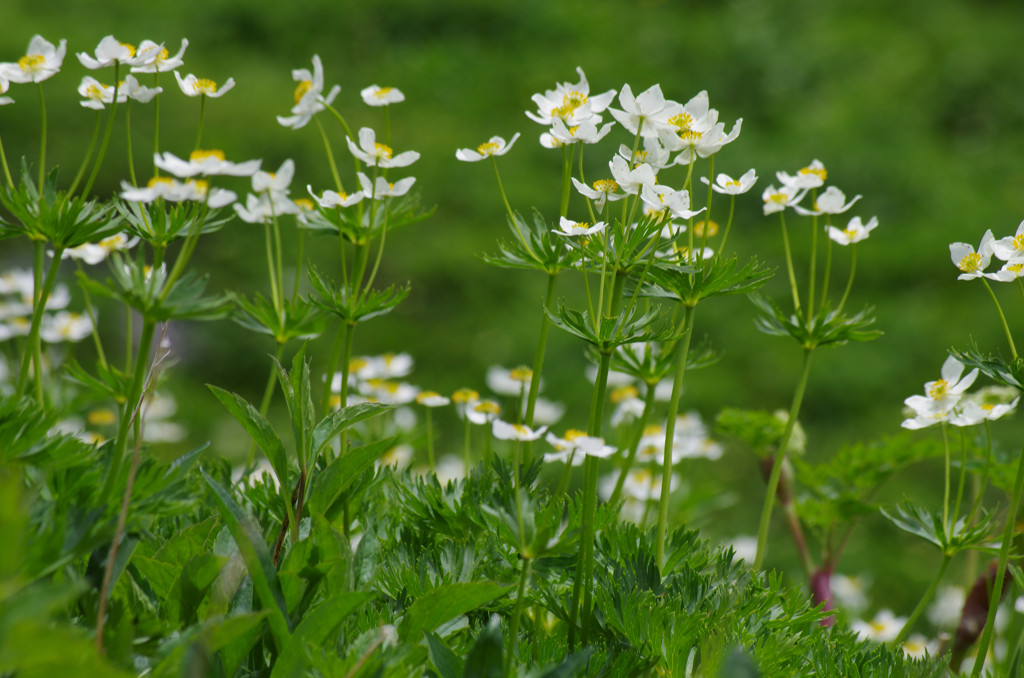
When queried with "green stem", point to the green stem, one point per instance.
{"points": [[106, 138], [41, 295], [789, 265], [826, 278], [538, 358], [87, 158], [670, 428], [813, 264], [849, 283], [780, 460], [92, 319], [926, 599], [1002, 318], [42, 137], [330, 154], [634, 444], [128, 141], [946, 531], [132, 398], [524, 575], [7, 170], [567, 151], [728, 224], [1004, 554], [202, 115], [430, 440], [156, 124], [268, 394]]}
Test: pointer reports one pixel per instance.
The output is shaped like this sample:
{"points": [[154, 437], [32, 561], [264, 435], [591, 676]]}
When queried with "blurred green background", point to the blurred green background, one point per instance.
{"points": [[917, 105]]}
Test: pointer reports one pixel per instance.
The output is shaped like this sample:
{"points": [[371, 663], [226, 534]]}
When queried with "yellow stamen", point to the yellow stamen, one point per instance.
{"points": [[698, 229], [305, 204], [383, 92], [817, 171], [520, 374], [487, 407], [383, 151], [606, 185], [488, 148], [681, 121], [301, 90], [622, 393], [465, 395], [939, 389], [205, 86], [129, 47], [101, 417], [970, 262], [166, 181], [199, 155], [31, 62]]}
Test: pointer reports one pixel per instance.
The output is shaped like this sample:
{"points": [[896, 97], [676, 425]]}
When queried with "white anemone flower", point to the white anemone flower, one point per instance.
{"points": [[854, 232], [631, 181], [941, 395], [173, 190], [132, 89], [4, 85], [381, 188], [729, 186], [376, 154], [569, 227], [644, 114], [831, 201], [110, 51], [374, 95], [586, 132], [309, 95], [191, 86], [502, 430], [494, 146], [570, 103], [696, 143], [482, 412], [1010, 248], [205, 162], [509, 382], [41, 61], [93, 253], [653, 153], [972, 263], [65, 326], [882, 629], [432, 399], [602, 191], [661, 197], [329, 199], [157, 58], [778, 199], [812, 176]]}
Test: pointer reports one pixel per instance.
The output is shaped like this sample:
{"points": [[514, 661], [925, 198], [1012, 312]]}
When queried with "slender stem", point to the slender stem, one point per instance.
{"points": [[634, 444], [467, 425], [670, 428], [268, 394], [1004, 554], [728, 224], [962, 482], [538, 358], [980, 490], [128, 141], [92, 319], [202, 115], [922, 604], [42, 137], [106, 137], [826, 277], [430, 440], [853, 270], [780, 460], [87, 158], [41, 295], [1002, 318], [789, 265], [7, 170], [332, 367], [567, 151], [275, 293], [330, 154], [524, 575], [813, 264], [156, 124], [946, 530]]}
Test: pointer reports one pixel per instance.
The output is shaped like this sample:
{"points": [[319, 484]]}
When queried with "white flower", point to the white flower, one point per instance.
{"points": [[331, 198], [492, 147], [509, 382], [376, 154], [776, 200], [381, 96], [432, 399], [696, 143], [41, 61], [382, 188], [882, 629], [156, 59], [309, 98], [503, 430], [631, 180], [4, 85], [388, 392], [586, 132], [545, 411], [570, 103], [132, 89], [173, 190], [575, 228], [831, 201], [602, 191], [192, 86], [97, 95], [207, 162], [652, 153], [645, 113], [729, 186], [1010, 248], [812, 176], [940, 396], [94, 253], [481, 412], [661, 197], [850, 591], [65, 326], [110, 52], [855, 231], [970, 262]]}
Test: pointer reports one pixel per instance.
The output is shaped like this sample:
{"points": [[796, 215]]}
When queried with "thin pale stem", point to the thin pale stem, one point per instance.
{"points": [[849, 283], [1002, 318], [41, 295], [922, 604], [634, 445], [780, 460], [106, 138], [330, 154], [789, 265], [42, 137], [524, 576]]}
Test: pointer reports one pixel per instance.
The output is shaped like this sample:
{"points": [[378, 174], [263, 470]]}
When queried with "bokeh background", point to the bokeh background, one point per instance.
{"points": [[916, 105]]}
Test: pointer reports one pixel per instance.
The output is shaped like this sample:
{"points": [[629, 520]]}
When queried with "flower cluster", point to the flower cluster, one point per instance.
{"points": [[972, 263], [945, 400]]}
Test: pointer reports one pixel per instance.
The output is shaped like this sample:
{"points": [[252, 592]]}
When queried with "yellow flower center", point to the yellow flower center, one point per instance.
{"points": [[205, 86], [522, 373], [606, 185], [114, 242], [383, 151], [817, 171], [166, 181], [201, 185], [301, 90], [690, 136], [94, 92], [778, 198], [335, 401], [988, 407], [570, 102], [573, 434], [1015, 268], [652, 430], [488, 148], [31, 62], [305, 204], [465, 395], [357, 364], [101, 417], [423, 396], [521, 430], [200, 155], [698, 229], [970, 262], [733, 182], [383, 92], [850, 233], [129, 47], [487, 407], [622, 393], [939, 389], [681, 121], [163, 55], [1018, 242]]}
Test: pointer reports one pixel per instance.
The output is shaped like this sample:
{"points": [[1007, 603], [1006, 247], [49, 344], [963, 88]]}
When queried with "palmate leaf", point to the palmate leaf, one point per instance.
{"points": [[628, 327], [299, 319], [995, 367], [161, 224], [447, 602], [828, 327], [534, 247], [927, 525], [717, 276], [351, 308], [354, 224]]}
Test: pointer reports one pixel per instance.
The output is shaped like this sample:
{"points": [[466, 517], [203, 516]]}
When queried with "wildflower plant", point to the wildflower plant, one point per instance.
{"points": [[354, 538]]}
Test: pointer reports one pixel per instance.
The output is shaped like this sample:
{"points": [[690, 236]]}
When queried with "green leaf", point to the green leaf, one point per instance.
{"points": [[485, 657], [341, 472], [447, 663], [314, 630], [446, 602], [828, 327], [339, 420], [258, 428], [257, 558]]}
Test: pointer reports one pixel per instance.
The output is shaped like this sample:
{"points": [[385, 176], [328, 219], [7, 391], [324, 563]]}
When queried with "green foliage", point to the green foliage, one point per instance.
{"points": [[827, 327]]}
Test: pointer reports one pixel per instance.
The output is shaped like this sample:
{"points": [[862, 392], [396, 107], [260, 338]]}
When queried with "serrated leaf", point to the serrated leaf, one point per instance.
{"points": [[257, 559], [341, 472], [447, 663], [445, 602], [334, 423], [314, 630], [258, 428]]}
